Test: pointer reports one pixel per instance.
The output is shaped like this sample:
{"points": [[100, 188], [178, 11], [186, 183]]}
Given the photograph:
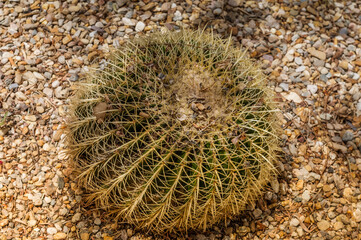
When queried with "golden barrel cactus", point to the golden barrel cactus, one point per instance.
{"points": [[176, 133]]}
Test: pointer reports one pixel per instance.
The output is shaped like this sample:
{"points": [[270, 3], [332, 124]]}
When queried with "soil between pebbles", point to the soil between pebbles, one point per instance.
{"points": [[310, 51]]}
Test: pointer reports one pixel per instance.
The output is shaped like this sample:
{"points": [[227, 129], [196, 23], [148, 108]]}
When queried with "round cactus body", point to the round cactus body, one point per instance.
{"points": [[176, 133]]}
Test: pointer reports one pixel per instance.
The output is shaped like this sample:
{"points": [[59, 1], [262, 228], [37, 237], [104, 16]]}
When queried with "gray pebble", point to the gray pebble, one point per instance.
{"points": [[217, 11], [347, 136], [13, 86], [284, 86]]}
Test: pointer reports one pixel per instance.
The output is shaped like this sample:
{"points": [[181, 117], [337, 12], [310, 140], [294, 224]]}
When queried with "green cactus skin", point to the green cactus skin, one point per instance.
{"points": [[177, 133]]}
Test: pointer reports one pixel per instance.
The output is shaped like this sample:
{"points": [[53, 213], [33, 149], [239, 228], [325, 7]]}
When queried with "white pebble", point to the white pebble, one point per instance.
{"points": [[140, 26]]}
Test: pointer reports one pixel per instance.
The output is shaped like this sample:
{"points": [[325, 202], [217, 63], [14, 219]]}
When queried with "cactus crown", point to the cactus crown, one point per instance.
{"points": [[177, 132]]}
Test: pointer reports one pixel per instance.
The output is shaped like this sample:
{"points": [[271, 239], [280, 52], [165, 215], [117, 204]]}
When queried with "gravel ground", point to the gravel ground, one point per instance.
{"points": [[311, 53]]}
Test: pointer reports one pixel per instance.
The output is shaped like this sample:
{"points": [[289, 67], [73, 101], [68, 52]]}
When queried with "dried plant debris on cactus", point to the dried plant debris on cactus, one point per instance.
{"points": [[176, 133]]}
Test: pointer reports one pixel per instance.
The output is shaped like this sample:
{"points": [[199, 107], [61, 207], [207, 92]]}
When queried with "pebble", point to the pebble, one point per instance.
{"points": [[85, 236], [301, 69], [347, 136], [298, 61], [140, 26], [74, 8], [32, 223], [51, 230], [357, 215], [76, 217], [344, 64], [48, 92], [61, 59], [217, 11], [4, 222], [177, 16], [292, 96], [128, 22], [323, 225], [257, 212], [316, 53], [312, 88], [234, 3], [338, 225], [294, 222], [13, 86], [97, 221], [306, 196], [284, 86]]}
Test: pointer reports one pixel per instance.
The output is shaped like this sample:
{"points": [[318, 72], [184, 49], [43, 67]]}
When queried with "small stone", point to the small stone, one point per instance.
{"points": [[338, 225], [340, 147], [347, 136], [358, 106], [294, 222], [217, 11], [128, 22], [257, 212], [323, 225], [149, 6], [177, 16], [298, 61], [37, 201], [301, 69], [61, 59], [48, 92], [50, 188], [325, 116], [63, 211], [275, 185], [76, 217], [51, 230], [67, 26], [343, 32], [284, 86], [40, 109], [234, 3], [84, 236], [29, 76], [29, 26], [32, 223], [159, 16], [344, 64], [13, 86], [55, 84], [299, 185], [74, 8], [97, 221], [357, 215], [337, 16], [316, 53], [347, 193], [121, 3], [306, 196], [18, 9], [21, 96], [13, 28], [318, 63], [312, 88], [4, 222], [166, 6], [292, 96], [140, 26], [31, 118], [67, 39]]}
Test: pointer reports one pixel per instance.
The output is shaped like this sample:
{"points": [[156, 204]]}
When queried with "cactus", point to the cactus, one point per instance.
{"points": [[176, 133]]}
